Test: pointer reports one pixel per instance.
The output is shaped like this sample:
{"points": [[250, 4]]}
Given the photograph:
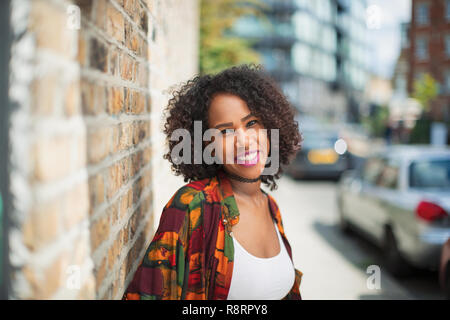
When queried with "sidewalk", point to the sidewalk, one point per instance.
{"points": [[333, 266]]}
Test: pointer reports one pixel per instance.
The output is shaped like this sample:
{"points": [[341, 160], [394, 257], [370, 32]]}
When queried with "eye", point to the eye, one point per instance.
{"points": [[227, 131], [252, 123]]}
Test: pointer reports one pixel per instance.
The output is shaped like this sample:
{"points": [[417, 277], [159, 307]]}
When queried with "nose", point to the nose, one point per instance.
{"points": [[244, 138]]}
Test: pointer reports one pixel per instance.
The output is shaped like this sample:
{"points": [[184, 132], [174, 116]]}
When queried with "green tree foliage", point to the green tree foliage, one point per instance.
{"points": [[377, 123], [217, 51], [425, 91]]}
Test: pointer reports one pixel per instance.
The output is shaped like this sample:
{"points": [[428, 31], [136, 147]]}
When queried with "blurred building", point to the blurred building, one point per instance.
{"points": [[316, 50], [331, 57], [401, 71], [273, 36], [429, 37], [402, 107]]}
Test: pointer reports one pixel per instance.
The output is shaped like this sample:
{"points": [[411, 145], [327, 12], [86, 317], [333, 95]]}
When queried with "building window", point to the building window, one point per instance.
{"points": [[447, 81], [447, 45], [447, 10], [422, 48], [422, 14]]}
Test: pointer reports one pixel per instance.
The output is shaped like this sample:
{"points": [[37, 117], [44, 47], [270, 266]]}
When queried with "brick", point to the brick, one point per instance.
{"points": [[81, 252], [113, 213], [115, 142], [99, 144], [125, 170], [125, 136], [122, 275], [76, 205], [114, 252], [116, 100], [126, 67], [129, 100], [143, 20], [114, 62], [100, 272], [113, 180], [72, 101], [49, 25], [93, 98], [45, 283], [43, 225], [130, 7], [96, 191], [98, 55], [87, 291], [137, 162], [142, 75], [82, 50], [87, 98], [51, 158], [99, 230], [124, 235], [139, 106], [149, 104], [124, 205], [44, 89], [115, 23], [100, 17], [147, 154], [79, 157]]}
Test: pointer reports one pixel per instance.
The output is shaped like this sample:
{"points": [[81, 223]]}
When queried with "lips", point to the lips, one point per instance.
{"points": [[247, 159], [245, 154]]}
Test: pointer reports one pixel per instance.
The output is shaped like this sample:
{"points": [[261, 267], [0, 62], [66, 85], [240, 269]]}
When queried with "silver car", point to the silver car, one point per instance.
{"points": [[399, 197]]}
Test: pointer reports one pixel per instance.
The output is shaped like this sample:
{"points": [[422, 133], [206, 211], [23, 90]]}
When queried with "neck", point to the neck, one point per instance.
{"points": [[246, 189]]}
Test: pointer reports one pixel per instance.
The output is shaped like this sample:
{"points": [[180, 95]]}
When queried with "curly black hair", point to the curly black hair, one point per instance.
{"points": [[264, 98]]}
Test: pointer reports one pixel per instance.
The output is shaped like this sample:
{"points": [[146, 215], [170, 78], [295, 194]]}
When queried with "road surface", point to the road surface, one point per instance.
{"points": [[334, 266]]}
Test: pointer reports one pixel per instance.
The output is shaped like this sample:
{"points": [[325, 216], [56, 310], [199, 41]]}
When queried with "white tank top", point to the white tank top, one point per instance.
{"points": [[256, 278]]}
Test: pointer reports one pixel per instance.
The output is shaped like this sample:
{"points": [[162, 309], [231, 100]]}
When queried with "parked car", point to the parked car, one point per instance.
{"points": [[399, 198], [444, 270], [323, 155]]}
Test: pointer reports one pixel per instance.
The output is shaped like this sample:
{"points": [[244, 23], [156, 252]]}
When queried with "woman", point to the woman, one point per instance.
{"points": [[221, 236]]}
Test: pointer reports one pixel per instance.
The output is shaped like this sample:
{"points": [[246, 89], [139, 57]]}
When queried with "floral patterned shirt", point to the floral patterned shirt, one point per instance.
{"points": [[191, 254]]}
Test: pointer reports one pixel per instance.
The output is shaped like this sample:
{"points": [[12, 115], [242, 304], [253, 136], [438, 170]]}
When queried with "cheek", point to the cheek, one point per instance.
{"points": [[264, 143]]}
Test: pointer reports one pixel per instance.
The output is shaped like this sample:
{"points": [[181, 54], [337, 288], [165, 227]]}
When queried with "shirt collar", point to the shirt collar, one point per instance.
{"points": [[229, 201]]}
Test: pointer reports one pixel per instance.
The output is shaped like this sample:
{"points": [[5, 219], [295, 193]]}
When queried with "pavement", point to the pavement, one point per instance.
{"points": [[334, 265]]}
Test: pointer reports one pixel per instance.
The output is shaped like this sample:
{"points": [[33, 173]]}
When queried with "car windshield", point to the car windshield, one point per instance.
{"points": [[430, 174], [319, 140]]}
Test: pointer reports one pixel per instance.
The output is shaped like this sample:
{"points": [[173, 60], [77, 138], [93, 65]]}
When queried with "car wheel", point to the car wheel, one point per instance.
{"points": [[393, 259]]}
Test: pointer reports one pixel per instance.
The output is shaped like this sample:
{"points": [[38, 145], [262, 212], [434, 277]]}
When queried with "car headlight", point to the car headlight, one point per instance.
{"points": [[340, 146]]}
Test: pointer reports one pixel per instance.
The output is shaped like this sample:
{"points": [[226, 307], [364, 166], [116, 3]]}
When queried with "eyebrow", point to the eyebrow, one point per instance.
{"points": [[231, 123]]}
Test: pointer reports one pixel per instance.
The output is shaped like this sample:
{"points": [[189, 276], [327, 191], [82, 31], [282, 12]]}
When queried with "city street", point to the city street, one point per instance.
{"points": [[334, 265]]}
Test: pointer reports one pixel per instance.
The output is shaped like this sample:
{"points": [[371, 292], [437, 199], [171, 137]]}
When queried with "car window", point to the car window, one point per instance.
{"points": [[430, 174], [319, 140], [372, 169], [388, 178]]}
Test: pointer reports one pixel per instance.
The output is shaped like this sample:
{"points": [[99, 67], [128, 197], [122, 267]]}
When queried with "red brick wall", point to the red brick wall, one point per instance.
{"points": [[85, 139], [437, 62]]}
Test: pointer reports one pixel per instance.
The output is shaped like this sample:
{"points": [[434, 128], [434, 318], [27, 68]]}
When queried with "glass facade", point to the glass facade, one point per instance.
{"points": [[312, 45], [331, 43]]}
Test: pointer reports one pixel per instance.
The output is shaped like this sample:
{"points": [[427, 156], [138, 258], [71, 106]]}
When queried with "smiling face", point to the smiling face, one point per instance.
{"points": [[244, 145]]}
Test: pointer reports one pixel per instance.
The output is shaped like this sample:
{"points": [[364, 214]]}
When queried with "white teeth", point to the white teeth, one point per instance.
{"points": [[248, 157]]}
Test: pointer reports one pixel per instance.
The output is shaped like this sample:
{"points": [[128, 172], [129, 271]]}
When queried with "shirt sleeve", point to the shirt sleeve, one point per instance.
{"points": [[162, 274]]}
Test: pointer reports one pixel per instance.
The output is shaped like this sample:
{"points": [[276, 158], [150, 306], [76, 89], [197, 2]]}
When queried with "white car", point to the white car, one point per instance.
{"points": [[400, 199]]}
